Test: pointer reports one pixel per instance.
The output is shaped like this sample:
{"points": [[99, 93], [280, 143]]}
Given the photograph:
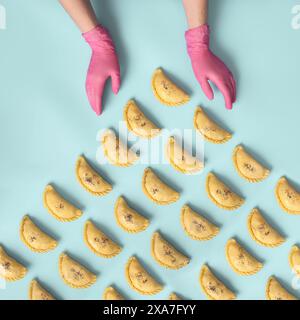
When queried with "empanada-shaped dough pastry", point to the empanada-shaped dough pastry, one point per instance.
{"points": [[34, 238], [74, 274], [275, 291], [129, 219], [174, 296], [287, 196], [139, 279], [261, 231], [212, 287], [138, 123], [220, 194], [165, 254], [294, 259], [196, 226], [240, 260], [111, 293], [247, 167], [180, 159], [91, 180], [116, 152], [10, 269], [166, 91], [156, 190], [59, 207], [211, 131], [37, 292], [99, 243]]}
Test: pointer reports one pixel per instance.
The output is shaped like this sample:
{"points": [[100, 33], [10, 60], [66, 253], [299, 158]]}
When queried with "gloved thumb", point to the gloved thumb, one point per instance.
{"points": [[206, 88]]}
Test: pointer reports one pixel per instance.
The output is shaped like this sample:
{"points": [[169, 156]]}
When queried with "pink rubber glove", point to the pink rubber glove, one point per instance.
{"points": [[104, 64], [207, 66]]}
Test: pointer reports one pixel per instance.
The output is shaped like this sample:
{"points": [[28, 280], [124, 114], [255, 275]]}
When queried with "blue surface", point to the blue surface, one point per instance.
{"points": [[46, 123]]}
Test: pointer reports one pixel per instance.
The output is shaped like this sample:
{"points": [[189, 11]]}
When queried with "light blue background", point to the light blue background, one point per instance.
{"points": [[46, 123]]}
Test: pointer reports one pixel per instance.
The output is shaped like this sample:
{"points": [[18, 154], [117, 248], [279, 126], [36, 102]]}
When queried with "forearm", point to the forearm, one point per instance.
{"points": [[196, 12], [81, 12]]}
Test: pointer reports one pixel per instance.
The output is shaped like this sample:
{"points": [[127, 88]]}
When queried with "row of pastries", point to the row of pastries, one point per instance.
{"points": [[196, 226]]}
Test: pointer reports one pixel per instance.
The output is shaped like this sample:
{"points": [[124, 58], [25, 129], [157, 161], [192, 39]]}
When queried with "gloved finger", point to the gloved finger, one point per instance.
{"points": [[229, 84], [115, 81], [206, 88], [227, 94], [234, 88], [231, 89], [94, 90]]}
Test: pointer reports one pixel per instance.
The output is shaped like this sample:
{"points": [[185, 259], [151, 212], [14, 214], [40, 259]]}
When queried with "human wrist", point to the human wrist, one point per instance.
{"points": [[99, 38], [198, 38], [94, 34]]}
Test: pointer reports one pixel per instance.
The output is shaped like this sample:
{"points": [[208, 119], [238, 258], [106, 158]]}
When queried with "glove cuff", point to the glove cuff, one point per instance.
{"points": [[99, 38], [197, 38]]}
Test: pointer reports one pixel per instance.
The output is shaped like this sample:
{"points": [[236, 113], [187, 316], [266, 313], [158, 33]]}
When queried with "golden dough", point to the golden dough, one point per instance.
{"points": [[138, 123], [210, 130], [91, 180], [165, 254], [287, 196], [10, 269], [180, 159], [111, 293], [156, 190], [129, 219], [212, 287], [240, 260], [220, 194], [174, 296], [34, 238], [37, 292], [196, 226], [294, 259], [59, 207], [247, 167], [139, 279], [116, 152], [166, 91], [74, 274], [275, 291], [99, 243], [262, 232]]}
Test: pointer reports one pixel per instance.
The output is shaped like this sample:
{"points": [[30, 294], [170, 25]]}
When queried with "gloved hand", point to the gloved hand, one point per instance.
{"points": [[207, 66], [104, 64]]}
